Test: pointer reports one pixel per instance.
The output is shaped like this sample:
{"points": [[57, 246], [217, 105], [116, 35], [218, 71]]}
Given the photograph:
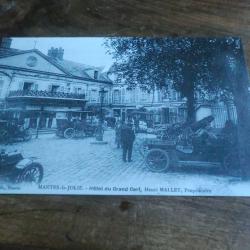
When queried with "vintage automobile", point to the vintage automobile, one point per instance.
{"points": [[73, 129], [163, 133], [169, 131], [11, 131], [195, 146], [15, 168]]}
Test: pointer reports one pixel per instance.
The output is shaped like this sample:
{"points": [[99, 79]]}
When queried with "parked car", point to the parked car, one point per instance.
{"points": [[72, 129], [194, 146], [15, 168], [12, 131]]}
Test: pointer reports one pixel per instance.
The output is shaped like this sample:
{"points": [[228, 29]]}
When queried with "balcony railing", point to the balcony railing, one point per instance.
{"points": [[45, 94]]}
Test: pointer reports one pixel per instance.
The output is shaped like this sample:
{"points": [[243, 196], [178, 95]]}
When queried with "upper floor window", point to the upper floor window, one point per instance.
{"points": [[94, 95], [106, 97], [144, 96], [175, 95], [123, 95], [116, 96], [54, 88], [27, 86], [95, 74], [133, 95], [77, 90]]}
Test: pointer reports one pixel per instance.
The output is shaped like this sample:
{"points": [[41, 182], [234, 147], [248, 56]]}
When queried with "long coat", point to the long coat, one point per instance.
{"points": [[127, 135]]}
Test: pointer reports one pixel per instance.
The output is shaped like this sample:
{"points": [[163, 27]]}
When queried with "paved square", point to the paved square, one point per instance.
{"points": [[79, 162]]}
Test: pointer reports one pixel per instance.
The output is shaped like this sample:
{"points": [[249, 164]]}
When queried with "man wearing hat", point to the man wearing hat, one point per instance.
{"points": [[127, 140]]}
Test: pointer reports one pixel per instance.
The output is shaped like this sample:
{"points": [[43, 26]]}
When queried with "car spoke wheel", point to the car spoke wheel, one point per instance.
{"points": [[143, 148], [69, 133], [157, 160], [31, 174]]}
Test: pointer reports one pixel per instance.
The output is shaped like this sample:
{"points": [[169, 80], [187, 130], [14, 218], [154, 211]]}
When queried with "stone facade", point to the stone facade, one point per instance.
{"points": [[159, 105], [39, 89]]}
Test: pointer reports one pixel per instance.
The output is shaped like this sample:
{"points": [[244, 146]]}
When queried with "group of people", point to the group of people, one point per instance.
{"points": [[124, 138]]}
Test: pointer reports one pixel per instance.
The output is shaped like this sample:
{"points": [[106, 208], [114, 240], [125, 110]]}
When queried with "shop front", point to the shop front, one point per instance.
{"points": [[40, 109]]}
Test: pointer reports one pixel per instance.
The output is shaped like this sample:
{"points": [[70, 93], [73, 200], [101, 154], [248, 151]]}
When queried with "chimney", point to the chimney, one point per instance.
{"points": [[5, 42], [56, 53]]}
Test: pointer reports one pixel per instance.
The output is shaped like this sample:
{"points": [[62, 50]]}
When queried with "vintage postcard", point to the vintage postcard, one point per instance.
{"points": [[124, 116]]}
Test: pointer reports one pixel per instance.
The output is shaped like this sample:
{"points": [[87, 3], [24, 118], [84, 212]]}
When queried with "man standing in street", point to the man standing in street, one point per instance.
{"points": [[127, 140]]}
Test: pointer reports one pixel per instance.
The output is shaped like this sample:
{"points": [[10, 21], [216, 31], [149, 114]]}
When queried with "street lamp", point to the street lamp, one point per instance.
{"points": [[99, 135]]}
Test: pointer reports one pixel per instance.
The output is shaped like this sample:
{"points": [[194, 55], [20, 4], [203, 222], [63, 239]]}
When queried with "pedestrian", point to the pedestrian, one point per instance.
{"points": [[118, 128], [137, 122], [127, 140]]}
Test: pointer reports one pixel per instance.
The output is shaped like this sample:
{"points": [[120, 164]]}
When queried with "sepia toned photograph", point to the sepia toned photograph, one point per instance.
{"points": [[124, 116]]}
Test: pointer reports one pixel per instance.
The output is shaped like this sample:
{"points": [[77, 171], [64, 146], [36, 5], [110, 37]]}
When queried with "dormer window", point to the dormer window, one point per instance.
{"points": [[95, 74]]}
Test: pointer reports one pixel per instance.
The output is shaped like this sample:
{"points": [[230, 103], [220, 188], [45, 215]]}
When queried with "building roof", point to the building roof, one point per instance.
{"points": [[71, 68], [8, 52], [80, 69]]}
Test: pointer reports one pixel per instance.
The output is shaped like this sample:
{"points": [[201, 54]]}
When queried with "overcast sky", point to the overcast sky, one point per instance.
{"points": [[87, 50]]}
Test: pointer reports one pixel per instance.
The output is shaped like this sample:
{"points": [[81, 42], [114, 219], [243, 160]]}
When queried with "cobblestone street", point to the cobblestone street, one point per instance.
{"points": [[79, 162]]}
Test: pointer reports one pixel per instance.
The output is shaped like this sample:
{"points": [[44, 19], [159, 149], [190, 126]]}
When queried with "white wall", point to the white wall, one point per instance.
{"points": [[43, 83], [21, 61]]}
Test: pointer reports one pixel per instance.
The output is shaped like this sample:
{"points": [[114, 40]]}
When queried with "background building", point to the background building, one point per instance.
{"points": [[38, 88], [160, 106]]}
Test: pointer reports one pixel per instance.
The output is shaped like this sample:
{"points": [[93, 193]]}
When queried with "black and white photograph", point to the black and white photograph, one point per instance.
{"points": [[124, 116]]}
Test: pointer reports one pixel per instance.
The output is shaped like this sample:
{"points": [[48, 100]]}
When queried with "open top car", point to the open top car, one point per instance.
{"points": [[77, 128], [10, 130], [17, 169], [195, 145]]}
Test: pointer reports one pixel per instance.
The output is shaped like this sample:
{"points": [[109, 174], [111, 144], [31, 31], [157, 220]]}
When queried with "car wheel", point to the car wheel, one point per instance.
{"points": [[143, 148], [31, 174], [4, 136], [69, 133], [157, 160]]}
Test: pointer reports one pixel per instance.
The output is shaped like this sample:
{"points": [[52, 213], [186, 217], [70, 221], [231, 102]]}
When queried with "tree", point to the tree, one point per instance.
{"points": [[157, 62], [237, 82], [213, 66]]}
